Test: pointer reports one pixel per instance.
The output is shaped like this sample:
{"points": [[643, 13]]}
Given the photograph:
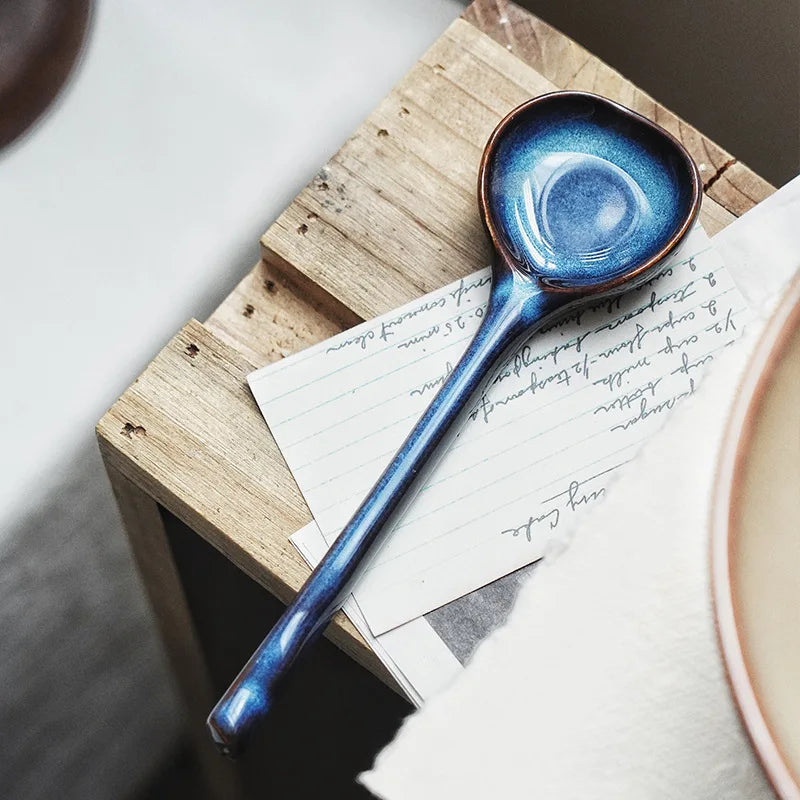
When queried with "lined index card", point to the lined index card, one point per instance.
{"points": [[565, 412]]}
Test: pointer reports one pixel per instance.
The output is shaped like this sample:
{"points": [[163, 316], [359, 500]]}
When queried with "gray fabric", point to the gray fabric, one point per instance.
{"points": [[86, 708]]}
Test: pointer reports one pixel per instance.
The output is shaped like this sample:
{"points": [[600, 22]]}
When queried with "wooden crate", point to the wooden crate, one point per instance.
{"points": [[392, 215]]}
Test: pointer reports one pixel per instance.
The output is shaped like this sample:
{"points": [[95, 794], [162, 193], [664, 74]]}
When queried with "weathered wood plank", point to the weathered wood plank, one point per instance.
{"points": [[145, 528], [190, 436], [714, 217], [274, 311]]}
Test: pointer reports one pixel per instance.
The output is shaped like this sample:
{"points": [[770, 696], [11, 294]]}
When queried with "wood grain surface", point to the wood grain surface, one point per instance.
{"points": [[189, 435], [151, 550], [392, 215]]}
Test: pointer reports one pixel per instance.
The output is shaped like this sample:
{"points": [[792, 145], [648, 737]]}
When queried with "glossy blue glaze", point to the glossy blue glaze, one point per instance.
{"points": [[581, 198]]}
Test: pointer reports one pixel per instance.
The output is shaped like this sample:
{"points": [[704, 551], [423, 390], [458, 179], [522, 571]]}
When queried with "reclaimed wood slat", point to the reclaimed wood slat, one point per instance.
{"points": [[189, 435], [147, 535]]}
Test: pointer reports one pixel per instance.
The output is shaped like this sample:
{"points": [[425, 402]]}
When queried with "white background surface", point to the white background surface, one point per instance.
{"points": [[135, 204], [139, 201]]}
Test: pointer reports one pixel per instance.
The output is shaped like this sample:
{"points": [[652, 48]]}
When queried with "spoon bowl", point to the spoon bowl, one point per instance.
{"points": [[581, 198], [584, 194]]}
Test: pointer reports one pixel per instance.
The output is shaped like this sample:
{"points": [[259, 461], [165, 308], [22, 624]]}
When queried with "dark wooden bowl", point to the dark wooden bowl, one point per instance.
{"points": [[40, 41]]}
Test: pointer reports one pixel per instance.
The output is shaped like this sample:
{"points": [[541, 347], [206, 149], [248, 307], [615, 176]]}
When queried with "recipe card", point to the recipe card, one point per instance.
{"points": [[568, 409]]}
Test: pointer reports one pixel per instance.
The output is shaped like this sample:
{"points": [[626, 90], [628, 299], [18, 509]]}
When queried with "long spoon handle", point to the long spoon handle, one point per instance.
{"points": [[251, 695]]}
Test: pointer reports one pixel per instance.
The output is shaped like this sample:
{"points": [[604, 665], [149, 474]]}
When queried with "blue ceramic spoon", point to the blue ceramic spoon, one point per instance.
{"points": [[581, 198]]}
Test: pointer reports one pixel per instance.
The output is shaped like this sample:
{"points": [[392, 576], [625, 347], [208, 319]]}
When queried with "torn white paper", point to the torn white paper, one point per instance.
{"points": [[607, 680], [572, 405]]}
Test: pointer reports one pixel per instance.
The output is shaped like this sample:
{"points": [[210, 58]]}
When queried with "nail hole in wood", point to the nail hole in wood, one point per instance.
{"points": [[130, 430]]}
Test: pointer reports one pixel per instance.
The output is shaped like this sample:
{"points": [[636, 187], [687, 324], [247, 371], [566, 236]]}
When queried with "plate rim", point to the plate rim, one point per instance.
{"points": [[737, 438]]}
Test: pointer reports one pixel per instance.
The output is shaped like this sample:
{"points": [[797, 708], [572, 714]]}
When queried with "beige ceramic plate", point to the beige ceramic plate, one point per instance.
{"points": [[756, 547]]}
